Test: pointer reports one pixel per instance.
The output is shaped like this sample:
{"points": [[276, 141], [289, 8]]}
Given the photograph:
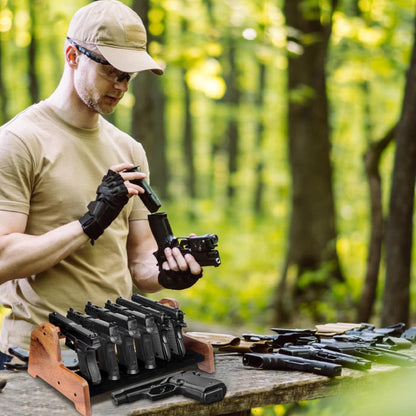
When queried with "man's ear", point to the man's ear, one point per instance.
{"points": [[71, 56]]}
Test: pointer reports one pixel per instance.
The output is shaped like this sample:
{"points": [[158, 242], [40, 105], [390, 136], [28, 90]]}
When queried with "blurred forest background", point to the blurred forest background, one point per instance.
{"points": [[285, 127], [281, 126]]}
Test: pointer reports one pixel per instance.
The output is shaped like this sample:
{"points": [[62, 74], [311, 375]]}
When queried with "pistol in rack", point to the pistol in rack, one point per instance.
{"points": [[128, 329], [174, 318], [109, 335], [83, 341], [143, 340], [160, 337]]}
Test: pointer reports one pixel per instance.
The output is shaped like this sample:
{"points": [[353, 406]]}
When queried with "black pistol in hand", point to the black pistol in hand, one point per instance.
{"points": [[149, 198], [201, 247]]}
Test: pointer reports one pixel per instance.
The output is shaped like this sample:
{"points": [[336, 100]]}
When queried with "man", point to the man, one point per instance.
{"points": [[57, 248]]}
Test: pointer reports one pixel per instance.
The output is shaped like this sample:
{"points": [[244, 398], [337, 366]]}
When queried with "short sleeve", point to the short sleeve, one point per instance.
{"points": [[16, 167]]}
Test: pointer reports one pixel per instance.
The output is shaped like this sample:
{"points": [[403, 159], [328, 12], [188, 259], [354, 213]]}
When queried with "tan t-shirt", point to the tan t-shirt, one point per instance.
{"points": [[50, 171]]}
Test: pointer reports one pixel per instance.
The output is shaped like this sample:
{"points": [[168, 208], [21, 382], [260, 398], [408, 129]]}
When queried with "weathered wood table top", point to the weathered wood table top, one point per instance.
{"points": [[246, 388]]}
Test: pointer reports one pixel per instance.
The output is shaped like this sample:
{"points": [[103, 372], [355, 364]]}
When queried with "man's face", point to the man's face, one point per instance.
{"points": [[100, 87]]}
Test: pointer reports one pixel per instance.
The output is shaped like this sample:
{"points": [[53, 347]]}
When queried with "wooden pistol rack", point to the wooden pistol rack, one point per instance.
{"points": [[45, 362]]}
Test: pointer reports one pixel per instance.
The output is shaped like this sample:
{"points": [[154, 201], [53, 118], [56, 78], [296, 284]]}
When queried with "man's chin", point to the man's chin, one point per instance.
{"points": [[108, 107], [107, 112], [105, 109], [102, 107]]}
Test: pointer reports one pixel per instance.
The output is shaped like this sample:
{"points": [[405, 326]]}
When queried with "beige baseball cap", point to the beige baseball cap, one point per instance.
{"points": [[118, 33]]}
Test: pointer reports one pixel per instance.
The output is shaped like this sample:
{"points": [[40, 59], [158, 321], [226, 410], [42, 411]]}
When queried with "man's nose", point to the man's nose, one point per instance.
{"points": [[122, 85]]}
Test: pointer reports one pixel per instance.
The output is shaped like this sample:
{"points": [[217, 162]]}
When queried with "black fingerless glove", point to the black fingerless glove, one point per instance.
{"points": [[111, 198], [177, 280]]}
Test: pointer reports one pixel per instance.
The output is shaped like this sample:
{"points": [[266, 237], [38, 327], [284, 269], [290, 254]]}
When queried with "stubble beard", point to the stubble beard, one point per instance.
{"points": [[93, 100], [94, 104]]}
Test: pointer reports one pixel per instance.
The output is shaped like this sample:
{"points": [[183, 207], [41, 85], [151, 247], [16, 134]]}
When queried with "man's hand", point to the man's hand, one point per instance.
{"points": [[178, 271], [132, 188], [176, 261], [112, 194]]}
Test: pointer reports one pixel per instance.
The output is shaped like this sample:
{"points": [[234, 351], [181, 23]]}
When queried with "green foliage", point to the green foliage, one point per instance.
{"points": [[369, 54], [368, 58]]}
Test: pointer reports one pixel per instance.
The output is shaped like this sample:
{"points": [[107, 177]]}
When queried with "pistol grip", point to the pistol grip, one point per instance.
{"points": [[88, 366], [108, 361], [127, 355], [144, 351]]}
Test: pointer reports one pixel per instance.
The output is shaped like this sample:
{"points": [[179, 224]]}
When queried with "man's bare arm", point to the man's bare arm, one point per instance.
{"points": [[23, 255], [142, 264]]}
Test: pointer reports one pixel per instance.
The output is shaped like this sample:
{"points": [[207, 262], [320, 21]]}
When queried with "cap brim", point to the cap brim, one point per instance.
{"points": [[130, 60]]}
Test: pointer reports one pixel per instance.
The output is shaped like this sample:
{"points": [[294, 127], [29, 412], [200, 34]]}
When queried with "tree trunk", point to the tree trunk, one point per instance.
{"points": [[372, 162], [259, 186], [312, 236], [188, 138], [148, 124], [399, 229], [32, 54], [232, 100], [188, 143]]}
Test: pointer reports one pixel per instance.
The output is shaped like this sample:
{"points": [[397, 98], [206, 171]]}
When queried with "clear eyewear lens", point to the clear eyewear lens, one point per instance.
{"points": [[114, 75]]}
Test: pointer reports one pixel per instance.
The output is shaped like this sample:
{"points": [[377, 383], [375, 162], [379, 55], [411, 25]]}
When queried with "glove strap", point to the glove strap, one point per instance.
{"points": [[90, 226], [177, 280], [111, 198]]}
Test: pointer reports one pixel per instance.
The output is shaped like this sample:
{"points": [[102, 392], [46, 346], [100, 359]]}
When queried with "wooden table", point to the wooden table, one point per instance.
{"points": [[246, 388]]}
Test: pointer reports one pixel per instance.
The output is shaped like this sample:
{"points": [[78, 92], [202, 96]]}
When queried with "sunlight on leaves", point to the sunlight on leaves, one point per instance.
{"points": [[206, 78], [6, 20]]}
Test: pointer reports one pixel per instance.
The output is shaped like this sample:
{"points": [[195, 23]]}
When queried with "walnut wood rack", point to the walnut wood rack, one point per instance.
{"points": [[45, 362]]}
